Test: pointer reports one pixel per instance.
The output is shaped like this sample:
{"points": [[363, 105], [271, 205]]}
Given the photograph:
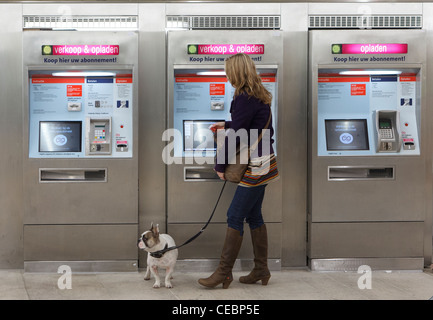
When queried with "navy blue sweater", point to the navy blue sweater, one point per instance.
{"points": [[248, 112]]}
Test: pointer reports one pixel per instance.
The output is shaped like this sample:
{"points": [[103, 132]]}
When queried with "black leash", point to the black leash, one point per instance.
{"points": [[160, 253]]}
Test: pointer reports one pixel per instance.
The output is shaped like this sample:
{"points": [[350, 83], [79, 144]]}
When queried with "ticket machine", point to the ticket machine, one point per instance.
{"points": [[367, 166], [80, 163], [198, 96]]}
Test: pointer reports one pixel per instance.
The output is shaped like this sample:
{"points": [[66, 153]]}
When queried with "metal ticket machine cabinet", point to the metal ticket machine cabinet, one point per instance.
{"points": [[80, 164], [368, 145], [198, 96]]}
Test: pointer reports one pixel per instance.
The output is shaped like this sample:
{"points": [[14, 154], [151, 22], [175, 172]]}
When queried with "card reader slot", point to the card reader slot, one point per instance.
{"points": [[360, 173], [72, 175]]}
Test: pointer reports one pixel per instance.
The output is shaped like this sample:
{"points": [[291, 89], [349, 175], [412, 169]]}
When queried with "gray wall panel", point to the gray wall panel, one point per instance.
{"points": [[293, 141], [11, 216], [428, 25], [152, 99]]}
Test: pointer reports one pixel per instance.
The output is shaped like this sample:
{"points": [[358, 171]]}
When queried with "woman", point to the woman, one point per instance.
{"points": [[250, 110]]}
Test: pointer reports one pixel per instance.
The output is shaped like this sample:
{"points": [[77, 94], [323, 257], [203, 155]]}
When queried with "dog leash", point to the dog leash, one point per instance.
{"points": [[160, 253]]}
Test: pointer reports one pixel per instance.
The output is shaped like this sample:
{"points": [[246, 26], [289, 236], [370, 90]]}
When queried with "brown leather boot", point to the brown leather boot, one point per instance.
{"points": [[223, 274], [259, 238]]}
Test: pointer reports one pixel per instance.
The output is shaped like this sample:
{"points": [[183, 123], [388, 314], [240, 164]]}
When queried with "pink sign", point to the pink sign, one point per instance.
{"points": [[230, 48], [374, 48], [82, 50]]}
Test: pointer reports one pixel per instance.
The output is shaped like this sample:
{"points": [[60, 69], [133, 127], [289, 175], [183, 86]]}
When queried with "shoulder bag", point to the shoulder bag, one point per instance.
{"points": [[235, 169]]}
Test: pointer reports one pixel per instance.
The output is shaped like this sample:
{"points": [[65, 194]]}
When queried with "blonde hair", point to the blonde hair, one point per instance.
{"points": [[242, 74]]}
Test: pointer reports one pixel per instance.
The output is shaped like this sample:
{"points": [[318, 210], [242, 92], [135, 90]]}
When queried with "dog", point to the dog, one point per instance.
{"points": [[152, 241]]}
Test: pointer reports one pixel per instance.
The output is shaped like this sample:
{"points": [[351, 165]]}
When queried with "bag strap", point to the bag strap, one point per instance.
{"points": [[253, 147]]}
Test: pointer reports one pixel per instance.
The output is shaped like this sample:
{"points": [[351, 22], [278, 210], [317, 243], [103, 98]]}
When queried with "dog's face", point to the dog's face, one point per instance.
{"points": [[149, 238]]}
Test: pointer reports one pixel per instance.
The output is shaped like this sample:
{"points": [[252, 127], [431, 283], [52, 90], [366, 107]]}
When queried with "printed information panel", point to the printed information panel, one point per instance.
{"points": [[200, 101], [72, 111], [347, 111]]}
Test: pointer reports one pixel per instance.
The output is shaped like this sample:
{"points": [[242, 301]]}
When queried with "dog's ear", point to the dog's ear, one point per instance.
{"points": [[155, 230]]}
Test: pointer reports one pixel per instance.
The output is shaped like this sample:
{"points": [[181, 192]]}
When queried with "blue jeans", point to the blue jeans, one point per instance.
{"points": [[246, 206]]}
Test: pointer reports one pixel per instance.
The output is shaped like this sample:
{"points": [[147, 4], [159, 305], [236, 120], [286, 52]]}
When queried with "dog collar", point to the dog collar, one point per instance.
{"points": [[158, 254]]}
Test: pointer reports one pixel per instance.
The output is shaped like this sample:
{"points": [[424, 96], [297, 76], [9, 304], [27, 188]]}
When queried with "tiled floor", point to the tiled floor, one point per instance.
{"points": [[283, 285]]}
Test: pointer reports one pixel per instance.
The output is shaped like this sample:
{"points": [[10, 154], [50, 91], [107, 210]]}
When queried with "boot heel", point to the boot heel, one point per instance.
{"points": [[227, 281], [265, 281], [226, 284]]}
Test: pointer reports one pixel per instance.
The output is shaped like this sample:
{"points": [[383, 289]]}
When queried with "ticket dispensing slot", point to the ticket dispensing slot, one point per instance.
{"points": [[388, 131], [200, 174], [72, 175], [98, 136], [345, 173]]}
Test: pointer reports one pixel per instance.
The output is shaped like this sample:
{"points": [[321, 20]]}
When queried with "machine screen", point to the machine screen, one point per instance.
{"points": [[198, 136], [60, 136], [347, 134]]}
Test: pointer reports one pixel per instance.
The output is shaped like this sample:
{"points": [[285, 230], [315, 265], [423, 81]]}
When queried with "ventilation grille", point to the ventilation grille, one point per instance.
{"points": [[81, 22], [223, 22], [365, 22]]}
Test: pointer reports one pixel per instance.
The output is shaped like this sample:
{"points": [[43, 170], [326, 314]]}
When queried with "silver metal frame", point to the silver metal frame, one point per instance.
{"points": [[52, 211], [406, 215], [185, 204]]}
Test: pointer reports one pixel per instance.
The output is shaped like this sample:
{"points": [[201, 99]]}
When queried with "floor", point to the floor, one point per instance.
{"points": [[283, 285]]}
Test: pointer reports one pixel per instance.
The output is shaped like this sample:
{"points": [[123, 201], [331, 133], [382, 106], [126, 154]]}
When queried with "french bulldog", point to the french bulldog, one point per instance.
{"points": [[152, 241]]}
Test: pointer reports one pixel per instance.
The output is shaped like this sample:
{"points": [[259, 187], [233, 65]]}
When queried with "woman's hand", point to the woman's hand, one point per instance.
{"points": [[217, 125]]}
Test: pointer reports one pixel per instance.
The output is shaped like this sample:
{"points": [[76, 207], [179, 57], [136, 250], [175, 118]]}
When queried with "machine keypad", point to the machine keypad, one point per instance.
{"points": [[386, 133]]}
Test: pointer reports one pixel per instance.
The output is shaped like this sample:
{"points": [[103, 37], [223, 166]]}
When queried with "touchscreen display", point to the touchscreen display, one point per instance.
{"points": [[197, 136], [60, 136], [351, 134]]}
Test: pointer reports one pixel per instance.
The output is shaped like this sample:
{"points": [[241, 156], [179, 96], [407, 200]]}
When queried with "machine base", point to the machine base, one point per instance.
{"points": [[209, 265], [188, 265], [352, 264], [81, 266]]}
